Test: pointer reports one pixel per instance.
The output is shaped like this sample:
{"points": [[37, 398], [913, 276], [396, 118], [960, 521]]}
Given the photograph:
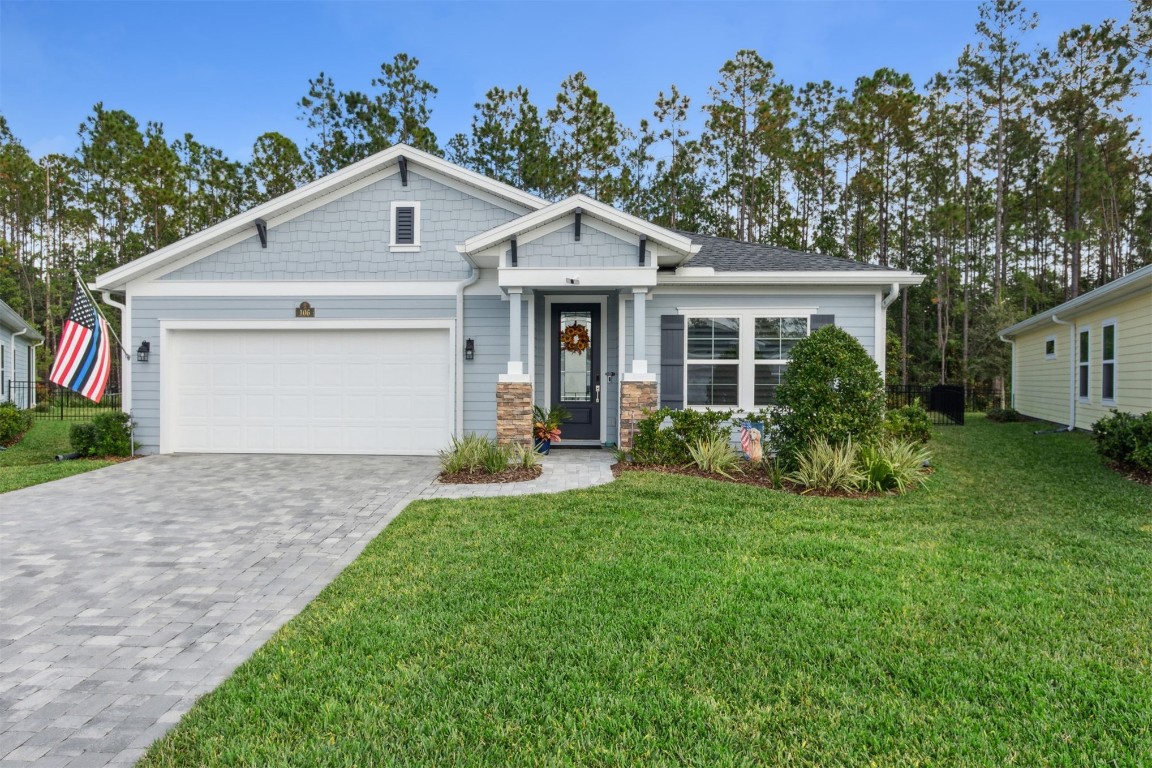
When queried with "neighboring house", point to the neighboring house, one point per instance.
{"points": [[404, 299], [18, 342], [1074, 363]]}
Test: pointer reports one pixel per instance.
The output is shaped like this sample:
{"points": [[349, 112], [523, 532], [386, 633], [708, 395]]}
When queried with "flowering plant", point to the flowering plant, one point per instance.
{"points": [[546, 423]]}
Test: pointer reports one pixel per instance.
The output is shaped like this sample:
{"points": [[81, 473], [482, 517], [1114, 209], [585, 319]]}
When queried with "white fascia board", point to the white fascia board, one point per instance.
{"points": [[285, 205], [1117, 290], [557, 277], [799, 277], [588, 207], [292, 288]]}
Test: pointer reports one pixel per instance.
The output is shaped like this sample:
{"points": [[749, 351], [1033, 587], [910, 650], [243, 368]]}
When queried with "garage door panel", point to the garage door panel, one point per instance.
{"points": [[309, 391]]}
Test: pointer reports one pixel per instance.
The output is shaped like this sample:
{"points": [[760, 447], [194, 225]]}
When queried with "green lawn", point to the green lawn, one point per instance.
{"points": [[32, 460], [1001, 616]]}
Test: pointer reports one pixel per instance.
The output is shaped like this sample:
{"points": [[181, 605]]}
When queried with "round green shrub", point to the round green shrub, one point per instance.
{"points": [[14, 422], [830, 390]]}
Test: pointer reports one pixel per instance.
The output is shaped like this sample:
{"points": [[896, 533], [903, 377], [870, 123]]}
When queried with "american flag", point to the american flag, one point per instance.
{"points": [[750, 438], [83, 358]]}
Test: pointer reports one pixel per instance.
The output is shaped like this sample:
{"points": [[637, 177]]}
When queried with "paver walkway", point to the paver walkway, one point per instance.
{"points": [[129, 592]]}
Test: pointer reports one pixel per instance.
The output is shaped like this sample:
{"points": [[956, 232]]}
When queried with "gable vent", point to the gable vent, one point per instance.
{"points": [[405, 226]]}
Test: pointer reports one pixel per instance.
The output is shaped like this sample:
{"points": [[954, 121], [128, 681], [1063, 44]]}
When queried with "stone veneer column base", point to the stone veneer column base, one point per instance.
{"points": [[514, 413], [635, 398]]}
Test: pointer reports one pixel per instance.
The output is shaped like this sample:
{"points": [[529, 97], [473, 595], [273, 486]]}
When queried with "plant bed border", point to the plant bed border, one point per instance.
{"points": [[510, 475], [757, 480]]}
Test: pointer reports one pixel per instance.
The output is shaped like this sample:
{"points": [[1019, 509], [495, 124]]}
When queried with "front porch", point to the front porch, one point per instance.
{"points": [[583, 351]]}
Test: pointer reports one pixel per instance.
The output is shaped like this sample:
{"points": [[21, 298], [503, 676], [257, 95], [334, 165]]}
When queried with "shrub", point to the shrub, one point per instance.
{"points": [[771, 468], [83, 438], [477, 453], [1125, 438], [523, 457], [825, 466], [892, 465], [108, 434], [831, 390], [13, 423], [653, 443], [911, 422], [716, 456], [1003, 414]]}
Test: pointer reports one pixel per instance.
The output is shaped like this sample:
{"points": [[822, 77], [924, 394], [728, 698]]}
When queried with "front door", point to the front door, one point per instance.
{"points": [[575, 361]]}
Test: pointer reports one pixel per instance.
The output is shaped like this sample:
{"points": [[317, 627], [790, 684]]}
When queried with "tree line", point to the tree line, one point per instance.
{"points": [[1014, 181]]}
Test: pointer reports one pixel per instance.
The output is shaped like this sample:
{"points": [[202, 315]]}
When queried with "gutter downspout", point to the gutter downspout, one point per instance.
{"points": [[1071, 372], [473, 276], [126, 380], [887, 302], [1012, 343]]}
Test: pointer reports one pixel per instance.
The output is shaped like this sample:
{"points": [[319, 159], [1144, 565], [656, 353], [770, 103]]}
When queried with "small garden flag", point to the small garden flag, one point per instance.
{"points": [[83, 357], [751, 434]]}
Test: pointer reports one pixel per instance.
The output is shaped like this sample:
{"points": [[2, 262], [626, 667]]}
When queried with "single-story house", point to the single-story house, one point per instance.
{"points": [[404, 299], [18, 342], [1074, 363]]}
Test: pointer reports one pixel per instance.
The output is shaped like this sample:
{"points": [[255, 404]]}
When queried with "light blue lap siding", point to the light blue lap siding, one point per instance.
{"points": [[148, 312], [486, 322], [855, 313], [348, 239], [595, 249]]}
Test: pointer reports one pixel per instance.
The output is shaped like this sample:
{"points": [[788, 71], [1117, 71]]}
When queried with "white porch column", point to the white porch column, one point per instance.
{"points": [[515, 358], [639, 356]]}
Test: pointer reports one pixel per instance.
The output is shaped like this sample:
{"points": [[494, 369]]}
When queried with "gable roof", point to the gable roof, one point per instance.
{"points": [[11, 321], [1121, 288], [675, 241], [726, 255], [310, 193]]}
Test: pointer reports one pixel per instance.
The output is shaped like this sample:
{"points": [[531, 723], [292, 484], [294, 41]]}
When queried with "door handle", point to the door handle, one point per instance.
{"points": [[597, 393]]}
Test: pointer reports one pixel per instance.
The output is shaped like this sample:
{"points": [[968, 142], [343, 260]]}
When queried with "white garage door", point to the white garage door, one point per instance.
{"points": [[307, 391]]}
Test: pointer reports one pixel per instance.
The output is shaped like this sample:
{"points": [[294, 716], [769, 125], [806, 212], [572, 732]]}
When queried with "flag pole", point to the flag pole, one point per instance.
{"points": [[96, 306]]}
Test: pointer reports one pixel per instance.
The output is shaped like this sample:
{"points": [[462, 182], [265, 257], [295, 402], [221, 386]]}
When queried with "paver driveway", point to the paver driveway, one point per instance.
{"points": [[128, 592]]}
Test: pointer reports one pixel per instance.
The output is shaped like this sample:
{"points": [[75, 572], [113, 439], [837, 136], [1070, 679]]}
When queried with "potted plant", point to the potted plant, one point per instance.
{"points": [[546, 426]]}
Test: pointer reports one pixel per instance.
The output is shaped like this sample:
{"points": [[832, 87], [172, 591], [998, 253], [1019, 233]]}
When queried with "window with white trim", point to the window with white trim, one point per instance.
{"points": [[1108, 364], [1085, 349], [738, 360], [405, 228], [1050, 348]]}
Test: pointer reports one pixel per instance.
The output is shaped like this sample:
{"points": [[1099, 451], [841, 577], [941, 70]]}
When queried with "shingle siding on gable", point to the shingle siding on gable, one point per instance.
{"points": [[348, 239], [595, 249]]}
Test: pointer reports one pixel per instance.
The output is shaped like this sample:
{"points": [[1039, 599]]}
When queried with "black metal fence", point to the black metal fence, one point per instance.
{"points": [[946, 403], [51, 401]]}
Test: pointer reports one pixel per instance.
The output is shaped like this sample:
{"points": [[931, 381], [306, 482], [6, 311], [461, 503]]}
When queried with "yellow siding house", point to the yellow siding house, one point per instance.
{"points": [[1074, 363]]}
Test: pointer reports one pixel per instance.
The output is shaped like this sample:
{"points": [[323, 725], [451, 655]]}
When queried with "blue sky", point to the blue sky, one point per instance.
{"points": [[227, 72]]}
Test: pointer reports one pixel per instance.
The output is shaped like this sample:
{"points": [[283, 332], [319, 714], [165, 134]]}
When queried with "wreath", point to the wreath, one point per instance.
{"points": [[574, 338]]}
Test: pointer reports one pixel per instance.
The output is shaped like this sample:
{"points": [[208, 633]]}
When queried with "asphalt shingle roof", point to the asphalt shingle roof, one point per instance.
{"points": [[725, 255]]}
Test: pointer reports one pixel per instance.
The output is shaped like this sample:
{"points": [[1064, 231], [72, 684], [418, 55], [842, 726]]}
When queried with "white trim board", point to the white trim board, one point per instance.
{"points": [[230, 288], [576, 298]]}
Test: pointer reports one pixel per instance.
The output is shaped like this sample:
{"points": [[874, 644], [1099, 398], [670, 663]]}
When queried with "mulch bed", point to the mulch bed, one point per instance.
{"points": [[513, 475], [755, 479], [1132, 472]]}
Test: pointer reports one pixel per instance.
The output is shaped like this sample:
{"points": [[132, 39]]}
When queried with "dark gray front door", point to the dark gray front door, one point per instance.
{"points": [[575, 361]]}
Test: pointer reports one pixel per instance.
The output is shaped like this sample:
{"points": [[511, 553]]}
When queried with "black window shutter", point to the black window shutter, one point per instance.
{"points": [[405, 226], [672, 361], [816, 322]]}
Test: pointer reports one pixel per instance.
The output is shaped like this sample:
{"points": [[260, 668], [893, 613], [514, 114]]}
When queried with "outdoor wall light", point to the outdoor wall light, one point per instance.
{"points": [[142, 352], [469, 349]]}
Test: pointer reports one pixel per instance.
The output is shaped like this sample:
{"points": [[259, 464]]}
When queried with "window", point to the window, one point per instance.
{"points": [[1050, 348], [775, 337], [1108, 367], [405, 226], [1084, 350], [713, 365], [738, 360]]}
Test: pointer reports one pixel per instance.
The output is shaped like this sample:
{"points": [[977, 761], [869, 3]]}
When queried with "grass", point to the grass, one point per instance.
{"points": [[999, 616], [32, 460]]}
